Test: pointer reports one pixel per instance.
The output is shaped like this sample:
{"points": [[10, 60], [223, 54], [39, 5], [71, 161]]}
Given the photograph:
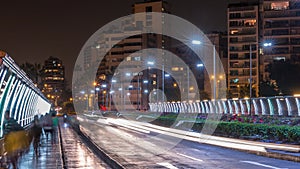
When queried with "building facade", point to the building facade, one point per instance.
{"points": [[281, 29], [53, 78], [271, 29], [243, 49], [118, 90]]}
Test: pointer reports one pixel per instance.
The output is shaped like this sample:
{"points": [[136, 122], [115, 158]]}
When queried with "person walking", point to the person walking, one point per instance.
{"points": [[15, 139], [36, 133], [47, 125], [55, 127]]}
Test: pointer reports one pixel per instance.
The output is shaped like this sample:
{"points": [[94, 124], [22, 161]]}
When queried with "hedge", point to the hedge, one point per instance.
{"points": [[262, 132]]}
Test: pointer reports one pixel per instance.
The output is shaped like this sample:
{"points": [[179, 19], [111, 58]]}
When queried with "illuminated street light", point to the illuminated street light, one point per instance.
{"points": [[250, 79], [267, 44], [200, 65], [196, 42], [150, 63]]}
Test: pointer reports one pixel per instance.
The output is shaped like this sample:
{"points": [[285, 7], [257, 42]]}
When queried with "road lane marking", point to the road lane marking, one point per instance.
{"points": [[263, 165], [167, 165], [126, 125], [192, 158]]}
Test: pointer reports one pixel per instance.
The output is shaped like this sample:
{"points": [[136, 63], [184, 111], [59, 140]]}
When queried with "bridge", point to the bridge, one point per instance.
{"points": [[274, 106], [112, 141], [19, 94]]}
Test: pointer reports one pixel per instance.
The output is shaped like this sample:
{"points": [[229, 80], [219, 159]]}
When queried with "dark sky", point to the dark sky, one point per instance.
{"points": [[33, 30]]}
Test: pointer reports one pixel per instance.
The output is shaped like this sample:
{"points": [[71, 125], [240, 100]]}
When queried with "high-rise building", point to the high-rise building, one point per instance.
{"points": [[127, 52], [53, 78], [272, 28], [281, 30], [243, 42]]}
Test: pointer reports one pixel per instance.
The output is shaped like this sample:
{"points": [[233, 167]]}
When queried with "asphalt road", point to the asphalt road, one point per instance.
{"points": [[141, 148]]}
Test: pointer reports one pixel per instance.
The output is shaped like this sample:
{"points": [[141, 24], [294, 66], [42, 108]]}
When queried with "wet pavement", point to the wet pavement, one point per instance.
{"points": [[137, 146], [77, 154], [49, 157], [74, 151]]}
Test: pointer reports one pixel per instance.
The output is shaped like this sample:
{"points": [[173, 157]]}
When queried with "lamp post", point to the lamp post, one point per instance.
{"points": [[111, 92], [250, 79], [250, 72], [199, 65], [138, 91], [151, 63], [197, 42]]}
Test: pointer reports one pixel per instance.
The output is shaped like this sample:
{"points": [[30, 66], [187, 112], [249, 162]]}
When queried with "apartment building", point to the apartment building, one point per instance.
{"points": [[281, 30], [53, 78], [243, 47]]}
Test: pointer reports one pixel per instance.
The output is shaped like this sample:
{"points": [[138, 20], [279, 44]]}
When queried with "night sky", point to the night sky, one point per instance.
{"points": [[33, 30]]}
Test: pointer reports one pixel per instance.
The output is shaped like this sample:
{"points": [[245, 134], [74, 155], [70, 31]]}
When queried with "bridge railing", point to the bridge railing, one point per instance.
{"points": [[273, 106], [19, 94]]}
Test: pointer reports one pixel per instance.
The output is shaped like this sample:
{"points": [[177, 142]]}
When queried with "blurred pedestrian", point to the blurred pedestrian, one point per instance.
{"points": [[55, 125], [36, 133], [15, 139], [47, 125]]}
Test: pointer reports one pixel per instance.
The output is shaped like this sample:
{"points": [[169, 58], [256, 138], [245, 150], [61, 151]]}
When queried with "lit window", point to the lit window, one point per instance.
{"points": [[175, 68], [154, 82], [233, 32], [138, 58], [280, 5], [250, 22], [128, 58], [102, 77]]}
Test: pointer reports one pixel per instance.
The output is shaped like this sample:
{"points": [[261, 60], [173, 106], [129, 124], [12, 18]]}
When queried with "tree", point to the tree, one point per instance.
{"points": [[68, 107], [33, 71], [268, 88], [287, 76], [245, 91]]}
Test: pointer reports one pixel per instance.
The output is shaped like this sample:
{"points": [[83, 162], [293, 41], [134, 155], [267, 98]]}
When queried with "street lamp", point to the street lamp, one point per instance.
{"points": [[111, 92], [163, 79], [138, 91], [268, 44], [199, 65], [197, 42]]}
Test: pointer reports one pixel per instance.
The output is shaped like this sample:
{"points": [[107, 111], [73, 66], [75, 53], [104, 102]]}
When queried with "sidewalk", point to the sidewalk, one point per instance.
{"points": [[50, 155], [68, 152]]}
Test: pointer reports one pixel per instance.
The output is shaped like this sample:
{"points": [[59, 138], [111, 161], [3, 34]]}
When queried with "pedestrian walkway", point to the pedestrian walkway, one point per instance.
{"points": [[72, 153], [50, 155]]}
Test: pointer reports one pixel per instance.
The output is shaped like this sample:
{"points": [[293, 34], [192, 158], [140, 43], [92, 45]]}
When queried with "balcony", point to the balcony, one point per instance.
{"points": [[243, 17], [278, 14], [244, 8]]}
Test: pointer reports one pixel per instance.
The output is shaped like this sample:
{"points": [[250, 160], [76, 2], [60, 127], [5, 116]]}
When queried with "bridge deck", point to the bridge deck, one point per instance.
{"points": [[76, 154]]}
